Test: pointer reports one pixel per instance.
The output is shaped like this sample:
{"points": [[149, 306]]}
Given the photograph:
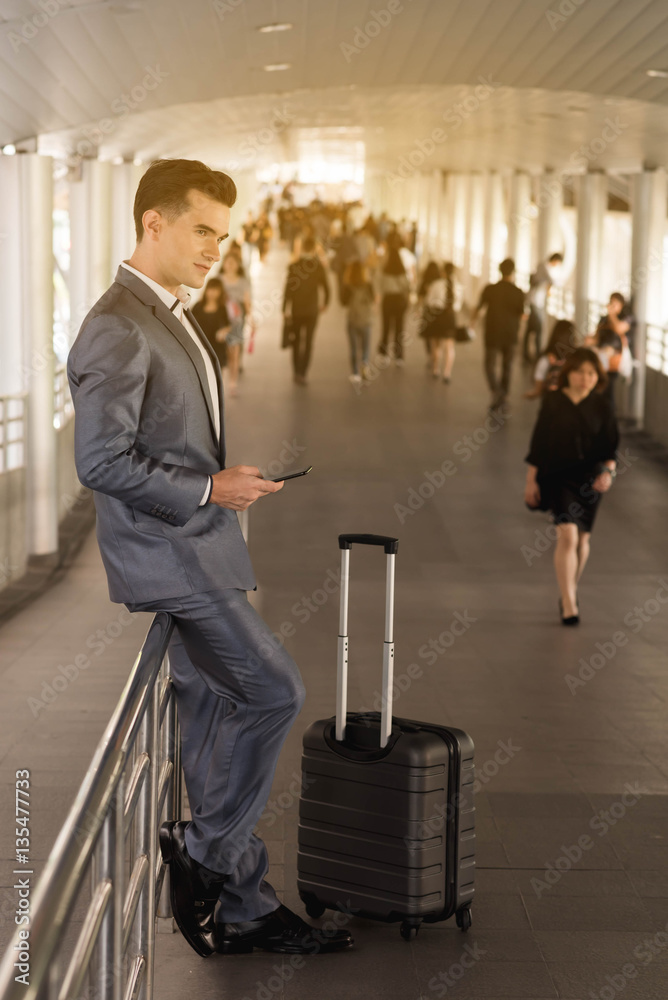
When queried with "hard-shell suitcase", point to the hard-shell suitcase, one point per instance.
{"points": [[386, 814]]}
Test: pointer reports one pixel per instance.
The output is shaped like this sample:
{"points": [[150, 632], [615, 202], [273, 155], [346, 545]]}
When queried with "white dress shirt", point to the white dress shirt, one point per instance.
{"points": [[177, 305]]}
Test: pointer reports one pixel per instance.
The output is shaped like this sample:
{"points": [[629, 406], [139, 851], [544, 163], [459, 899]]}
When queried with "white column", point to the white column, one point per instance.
{"points": [[36, 182], [476, 227], [592, 199], [91, 270], [434, 213], [519, 227], [80, 298], [11, 346], [123, 189], [423, 213], [446, 230], [550, 202], [460, 221], [648, 204], [100, 227], [496, 230]]}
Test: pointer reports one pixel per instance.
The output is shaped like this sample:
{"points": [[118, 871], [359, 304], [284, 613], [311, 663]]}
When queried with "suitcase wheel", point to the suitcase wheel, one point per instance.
{"points": [[409, 930], [464, 918], [312, 905]]}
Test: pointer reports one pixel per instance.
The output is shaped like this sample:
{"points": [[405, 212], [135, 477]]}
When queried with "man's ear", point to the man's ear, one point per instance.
{"points": [[152, 222]]}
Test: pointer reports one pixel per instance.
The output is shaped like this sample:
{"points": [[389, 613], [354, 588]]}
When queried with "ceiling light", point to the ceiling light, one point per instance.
{"points": [[137, 162], [117, 161], [275, 67], [266, 28], [9, 149], [661, 73]]}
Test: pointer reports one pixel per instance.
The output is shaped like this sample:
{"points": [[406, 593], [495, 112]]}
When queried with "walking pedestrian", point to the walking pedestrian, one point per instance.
{"points": [[359, 297], [546, 274], [504, 304], [562, 342], [301, 299], [394, 289], [212, 316], [572, 463], [238, 292]]}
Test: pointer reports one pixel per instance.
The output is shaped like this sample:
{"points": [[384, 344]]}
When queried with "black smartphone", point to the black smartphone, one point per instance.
{"points": [[292, 475]]}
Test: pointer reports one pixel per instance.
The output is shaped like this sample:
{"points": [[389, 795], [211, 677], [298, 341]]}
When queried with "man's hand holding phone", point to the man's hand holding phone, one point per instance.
{"points": [[237, 488]]}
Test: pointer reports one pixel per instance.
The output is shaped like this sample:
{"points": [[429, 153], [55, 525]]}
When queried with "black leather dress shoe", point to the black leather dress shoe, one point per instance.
{"points": [[280, 931], [194, 889]]}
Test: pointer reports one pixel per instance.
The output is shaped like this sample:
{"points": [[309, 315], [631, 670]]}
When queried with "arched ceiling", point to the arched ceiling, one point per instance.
{"points": [[163, 77]]}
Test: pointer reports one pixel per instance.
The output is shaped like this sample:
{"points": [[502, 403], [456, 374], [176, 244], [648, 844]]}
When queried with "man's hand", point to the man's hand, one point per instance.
{"points": [[237, 488]]}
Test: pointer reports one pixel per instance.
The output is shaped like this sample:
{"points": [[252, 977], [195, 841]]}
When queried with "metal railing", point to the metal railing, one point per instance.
{"points": [[657, 348], [111, 837], [12, 432]]}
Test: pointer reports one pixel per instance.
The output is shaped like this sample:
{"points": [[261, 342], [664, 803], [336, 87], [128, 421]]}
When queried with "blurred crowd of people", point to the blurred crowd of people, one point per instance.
{"points": [[382, 279]]}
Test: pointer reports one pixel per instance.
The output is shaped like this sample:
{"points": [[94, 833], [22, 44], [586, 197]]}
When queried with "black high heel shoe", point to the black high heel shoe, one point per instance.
{"points": [[571, 619]]}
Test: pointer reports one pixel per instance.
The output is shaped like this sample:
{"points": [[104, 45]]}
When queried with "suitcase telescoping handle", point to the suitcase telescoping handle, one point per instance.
{"points": [[390, 545]]}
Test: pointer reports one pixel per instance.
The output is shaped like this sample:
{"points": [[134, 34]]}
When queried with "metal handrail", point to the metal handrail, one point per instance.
{"points": [[133, 780], [657, 347]]}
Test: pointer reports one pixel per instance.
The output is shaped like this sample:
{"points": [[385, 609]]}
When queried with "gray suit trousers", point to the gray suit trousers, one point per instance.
{"points": [[238, 693]]}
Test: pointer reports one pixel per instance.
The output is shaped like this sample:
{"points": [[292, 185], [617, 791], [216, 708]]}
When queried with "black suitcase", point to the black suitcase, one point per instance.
{"points": [[386, 814]]}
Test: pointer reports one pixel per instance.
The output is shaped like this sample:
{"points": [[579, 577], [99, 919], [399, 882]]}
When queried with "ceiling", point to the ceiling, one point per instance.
{"points": [[195, 79]]}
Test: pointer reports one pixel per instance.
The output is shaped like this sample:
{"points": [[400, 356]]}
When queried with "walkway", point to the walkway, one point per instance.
{"points": [[559, 761]]}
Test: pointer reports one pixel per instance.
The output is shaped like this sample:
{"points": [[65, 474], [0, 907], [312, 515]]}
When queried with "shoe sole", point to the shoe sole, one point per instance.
{"points": [[321, 949], [246, 947], [166, 849]]}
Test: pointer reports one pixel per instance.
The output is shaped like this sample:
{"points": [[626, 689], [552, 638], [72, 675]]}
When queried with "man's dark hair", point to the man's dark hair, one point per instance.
{"points": [[165, 186], [556, 257], [619, 297], [507, 267]]}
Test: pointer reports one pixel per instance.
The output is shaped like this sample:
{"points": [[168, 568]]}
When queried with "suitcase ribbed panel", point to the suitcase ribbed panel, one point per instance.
{"points": [[383, 835]]}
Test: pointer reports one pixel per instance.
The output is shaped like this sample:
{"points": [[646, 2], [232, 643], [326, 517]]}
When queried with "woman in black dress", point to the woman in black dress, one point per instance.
{"points": [[211, 314], [571, 463]]}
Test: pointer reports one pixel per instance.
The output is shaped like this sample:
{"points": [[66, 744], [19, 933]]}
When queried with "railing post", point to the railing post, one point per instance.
{"points": [[103, 960], [146, 836], [171, 750], [119, 890]]}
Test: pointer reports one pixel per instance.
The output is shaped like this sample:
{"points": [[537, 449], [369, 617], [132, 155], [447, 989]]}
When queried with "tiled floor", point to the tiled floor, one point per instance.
{"points": [[546, 922]]}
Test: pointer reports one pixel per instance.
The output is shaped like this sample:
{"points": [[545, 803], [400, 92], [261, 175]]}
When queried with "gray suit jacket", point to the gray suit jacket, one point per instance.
{"points": [[145, 442]]}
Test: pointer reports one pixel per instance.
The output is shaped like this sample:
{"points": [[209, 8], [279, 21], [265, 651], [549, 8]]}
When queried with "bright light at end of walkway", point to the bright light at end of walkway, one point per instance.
{"points": [[276, 67], [266, 28]]}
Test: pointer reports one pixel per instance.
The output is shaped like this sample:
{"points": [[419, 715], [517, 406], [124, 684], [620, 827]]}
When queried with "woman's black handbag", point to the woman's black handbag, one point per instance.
{"points": [[464, 334], [288, 337]]}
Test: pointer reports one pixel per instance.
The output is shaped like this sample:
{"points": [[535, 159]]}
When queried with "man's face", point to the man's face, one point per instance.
{"points": [[186, 248]]}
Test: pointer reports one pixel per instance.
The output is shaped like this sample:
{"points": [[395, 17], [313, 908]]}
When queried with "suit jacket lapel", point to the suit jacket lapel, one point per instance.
{"points": [[161, 312], [219, 379]]}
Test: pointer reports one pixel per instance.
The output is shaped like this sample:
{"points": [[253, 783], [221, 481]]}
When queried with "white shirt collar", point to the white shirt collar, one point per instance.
{"points": [[170, 300]]}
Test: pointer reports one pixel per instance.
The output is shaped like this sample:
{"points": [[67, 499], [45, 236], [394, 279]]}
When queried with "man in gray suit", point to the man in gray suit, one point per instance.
{"points": [[149, 440]]}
